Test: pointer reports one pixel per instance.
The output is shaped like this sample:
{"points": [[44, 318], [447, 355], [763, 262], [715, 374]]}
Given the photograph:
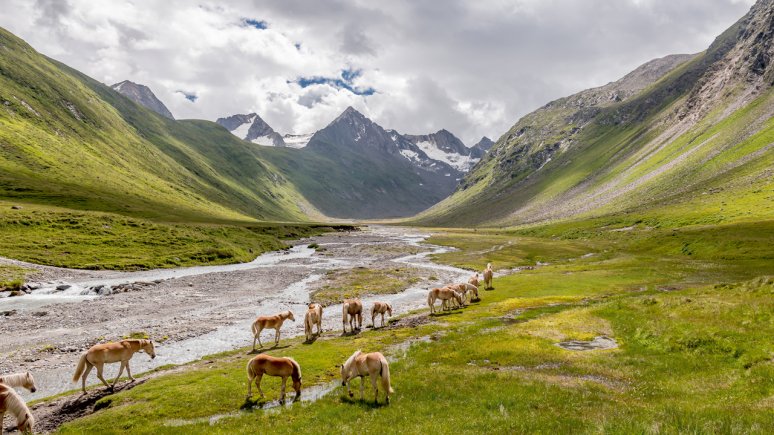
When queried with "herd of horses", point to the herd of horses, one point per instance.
{"points": [[374, 364]]}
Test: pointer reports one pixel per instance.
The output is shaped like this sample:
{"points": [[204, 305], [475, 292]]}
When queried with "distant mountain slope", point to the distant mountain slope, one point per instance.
{"points": [[143, 96], [353, 168], [445, 147], [252, 128], [481, 147], [68, 140], [677, 130]]}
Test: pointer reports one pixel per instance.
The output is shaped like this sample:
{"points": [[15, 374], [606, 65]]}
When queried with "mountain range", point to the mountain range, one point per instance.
{"points": [[684, 135]]}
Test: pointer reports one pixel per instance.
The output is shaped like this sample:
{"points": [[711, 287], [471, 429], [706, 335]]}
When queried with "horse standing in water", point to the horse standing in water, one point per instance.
{"points": [[313, 317], [352, 312], [268, 365], [24, 380], [100, 354], [380, 308], [10, 401], [488, 277], [372, 364], [275, 322]]}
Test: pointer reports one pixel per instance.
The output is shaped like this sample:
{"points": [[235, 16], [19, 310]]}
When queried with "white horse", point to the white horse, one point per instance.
{"points": [[11, 401], [24, 380], [488, 273], [372, 364], [380, 308], [313, 317]]}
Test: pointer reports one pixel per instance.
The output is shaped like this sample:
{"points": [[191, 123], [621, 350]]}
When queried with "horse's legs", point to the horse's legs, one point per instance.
{"points": [[120, 371], [258, 335], [250, 378], [99, 375], [89, 366], [258, 384], [376, 390], [282, 389], [276, 339], [129, 372], [382, 320]]}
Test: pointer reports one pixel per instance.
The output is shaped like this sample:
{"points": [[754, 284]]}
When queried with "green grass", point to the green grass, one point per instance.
{"points": [[12, 277], [95, 240], [694, 333], [355, 283]]}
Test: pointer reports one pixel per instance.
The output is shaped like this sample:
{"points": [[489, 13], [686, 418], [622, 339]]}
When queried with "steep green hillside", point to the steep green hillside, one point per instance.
{"points": [[675, 137], [69, 141]]}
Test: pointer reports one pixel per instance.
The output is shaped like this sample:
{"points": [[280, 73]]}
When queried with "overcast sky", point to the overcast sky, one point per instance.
{"points": [[473, 67]]}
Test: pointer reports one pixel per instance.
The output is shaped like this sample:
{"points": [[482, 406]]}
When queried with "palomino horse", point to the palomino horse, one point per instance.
{"points": [[380, 308], [352, 312], [473, 280], [444, 294], [464, 288], [100, 354], [268, 365], [12, 402], [313, 317], [372, 364], [24, 380], [275, 322], [488, 277]]}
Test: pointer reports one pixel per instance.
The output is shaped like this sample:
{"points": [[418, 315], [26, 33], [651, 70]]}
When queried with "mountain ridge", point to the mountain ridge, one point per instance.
{"points": [[142, 95]]}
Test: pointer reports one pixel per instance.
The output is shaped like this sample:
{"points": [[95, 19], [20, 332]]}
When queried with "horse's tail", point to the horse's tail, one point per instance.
{"points": [[250, 371], [344, 311], [255, 328], [81, 367], [430, 298], [384, 372], [307, 324]]}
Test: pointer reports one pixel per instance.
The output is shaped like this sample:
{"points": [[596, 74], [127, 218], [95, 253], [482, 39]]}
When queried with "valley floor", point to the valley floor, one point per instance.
{"points": [[690, 310]]}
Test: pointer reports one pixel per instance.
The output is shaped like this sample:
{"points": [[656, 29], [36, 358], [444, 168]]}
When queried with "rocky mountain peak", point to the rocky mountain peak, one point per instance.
{"points": [[143, 96], [251, 127]]}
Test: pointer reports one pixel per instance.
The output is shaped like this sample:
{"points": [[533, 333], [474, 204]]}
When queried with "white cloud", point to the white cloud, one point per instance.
{"points": [[473, 67]]}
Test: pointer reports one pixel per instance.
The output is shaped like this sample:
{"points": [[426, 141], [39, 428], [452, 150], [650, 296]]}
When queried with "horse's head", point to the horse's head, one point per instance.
{"points": [[26, 423], [346, 369], [147, 346], [289, 315], [389, 310], [29, 382]]}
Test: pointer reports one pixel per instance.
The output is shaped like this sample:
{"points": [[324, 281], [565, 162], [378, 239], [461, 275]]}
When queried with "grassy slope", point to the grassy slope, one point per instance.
{"points": [[626, 160], [69, 141], [694, 356]]}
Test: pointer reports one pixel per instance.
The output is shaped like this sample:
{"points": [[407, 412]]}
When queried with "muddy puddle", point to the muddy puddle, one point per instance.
{"points": [[598, 343]]}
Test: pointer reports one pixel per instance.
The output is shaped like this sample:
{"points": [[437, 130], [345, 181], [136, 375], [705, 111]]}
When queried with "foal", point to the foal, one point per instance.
{"points": [[380, 308], [12, 402], [313, 317], [268, 365], [275, 322]]}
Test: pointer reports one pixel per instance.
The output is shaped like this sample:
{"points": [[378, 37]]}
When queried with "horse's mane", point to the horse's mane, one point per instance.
{"points": [[15, 404], [14, 379], [348, 364], [296, 367]]}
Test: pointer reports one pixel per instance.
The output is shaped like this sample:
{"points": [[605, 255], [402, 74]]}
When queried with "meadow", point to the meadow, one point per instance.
{"points": [[691, 310]]}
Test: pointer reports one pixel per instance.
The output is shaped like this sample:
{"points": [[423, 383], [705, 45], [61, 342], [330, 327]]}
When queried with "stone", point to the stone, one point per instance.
{"points": [[62, 287]]}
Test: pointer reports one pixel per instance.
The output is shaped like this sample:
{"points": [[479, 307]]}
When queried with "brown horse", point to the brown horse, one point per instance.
{"points": [[275, 322], [313, 317], [268, 365], [488, 277], [24, 380], [444, 294], [100, 354], [380, 308], [372, 364], [11, 401], [352, 312]]}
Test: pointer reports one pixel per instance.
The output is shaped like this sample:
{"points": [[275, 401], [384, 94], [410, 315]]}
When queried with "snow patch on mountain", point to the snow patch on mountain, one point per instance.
{"points": [[457, 161], [297, 140]]}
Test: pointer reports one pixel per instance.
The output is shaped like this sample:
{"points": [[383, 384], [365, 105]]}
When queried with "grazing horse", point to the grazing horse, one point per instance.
{"points": [[313, 317], [352, 312], [488, 277], [380, 308], [444, 294], [99, 354], [12, 402], [24, 380], [275, 322], [372, 364], [464, 288], [268, 365]]}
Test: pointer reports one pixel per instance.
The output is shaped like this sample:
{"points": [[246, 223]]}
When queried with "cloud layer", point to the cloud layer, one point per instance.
{"points": [[473, 67]]}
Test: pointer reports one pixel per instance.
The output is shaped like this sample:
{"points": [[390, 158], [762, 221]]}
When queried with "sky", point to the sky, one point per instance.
{"points": [[473, 67]]}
